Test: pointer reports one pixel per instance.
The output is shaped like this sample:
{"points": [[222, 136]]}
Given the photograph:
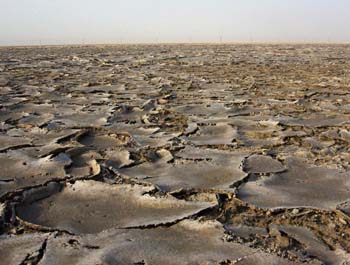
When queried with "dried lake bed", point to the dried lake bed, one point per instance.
{"points": [[175, 154]]}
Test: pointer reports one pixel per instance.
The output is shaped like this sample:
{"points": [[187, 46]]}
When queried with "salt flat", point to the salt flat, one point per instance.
{"points": [[175, 154]]}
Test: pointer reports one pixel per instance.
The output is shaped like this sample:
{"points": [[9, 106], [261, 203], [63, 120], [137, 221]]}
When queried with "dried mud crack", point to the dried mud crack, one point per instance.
{"points": [[175, 154]]}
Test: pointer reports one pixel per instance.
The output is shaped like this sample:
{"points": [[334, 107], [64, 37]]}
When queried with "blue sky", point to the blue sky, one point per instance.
{"points": [[115, 21]]}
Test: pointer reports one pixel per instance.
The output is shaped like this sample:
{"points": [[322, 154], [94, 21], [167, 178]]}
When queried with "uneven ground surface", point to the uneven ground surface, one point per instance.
{"points": [[175, 154]]}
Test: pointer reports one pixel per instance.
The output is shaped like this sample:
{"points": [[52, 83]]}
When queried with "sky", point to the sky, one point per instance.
{"points": [[31, 22]]}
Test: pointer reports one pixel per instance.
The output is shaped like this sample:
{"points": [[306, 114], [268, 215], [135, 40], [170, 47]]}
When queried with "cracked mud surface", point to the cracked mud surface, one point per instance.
{"points": [[175, 154]]}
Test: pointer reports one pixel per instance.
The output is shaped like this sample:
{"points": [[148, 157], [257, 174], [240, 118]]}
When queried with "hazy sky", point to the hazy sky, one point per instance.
{"points": [[115, 21]]}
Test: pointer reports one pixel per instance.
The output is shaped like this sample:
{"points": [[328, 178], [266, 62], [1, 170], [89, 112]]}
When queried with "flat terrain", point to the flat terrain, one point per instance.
{"points": [[175, 154]]}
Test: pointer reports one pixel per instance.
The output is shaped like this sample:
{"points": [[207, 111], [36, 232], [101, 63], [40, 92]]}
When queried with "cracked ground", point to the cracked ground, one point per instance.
{"points": [[175, 154]]}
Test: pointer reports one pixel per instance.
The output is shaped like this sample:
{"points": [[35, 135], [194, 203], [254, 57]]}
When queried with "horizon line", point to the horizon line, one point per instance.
{"points": [[182, 43]]}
